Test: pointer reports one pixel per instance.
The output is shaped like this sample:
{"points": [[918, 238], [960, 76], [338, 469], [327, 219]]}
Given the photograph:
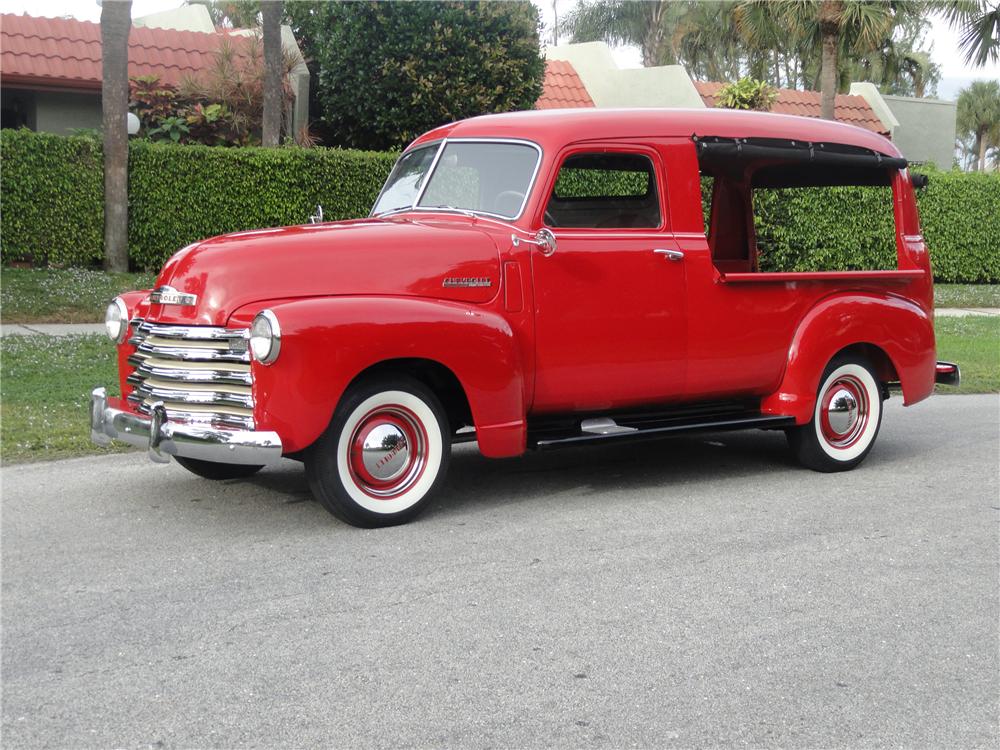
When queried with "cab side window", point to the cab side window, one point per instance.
{"points": [[605, 191]]}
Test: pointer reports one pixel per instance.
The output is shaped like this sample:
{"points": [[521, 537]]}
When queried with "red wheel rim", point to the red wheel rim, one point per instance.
{"points": [[388, 451], [844, 412]]}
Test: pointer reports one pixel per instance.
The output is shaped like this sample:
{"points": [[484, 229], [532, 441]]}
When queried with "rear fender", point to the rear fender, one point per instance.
{"points": [[327, 342], [900, 329]]}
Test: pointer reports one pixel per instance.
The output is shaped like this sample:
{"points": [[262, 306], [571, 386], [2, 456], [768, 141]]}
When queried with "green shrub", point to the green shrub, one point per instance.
{"points": [[52, 212], [179, 194], [52, 198], [960, 219]]}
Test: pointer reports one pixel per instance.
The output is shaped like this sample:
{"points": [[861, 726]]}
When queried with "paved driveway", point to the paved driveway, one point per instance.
{"points": [[684, 593]]}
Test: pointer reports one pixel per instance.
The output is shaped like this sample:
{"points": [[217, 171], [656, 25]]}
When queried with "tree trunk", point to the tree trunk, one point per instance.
{"points": [[270, 11], [830, 14], [652, 43], [116, 21], [983, 143]]}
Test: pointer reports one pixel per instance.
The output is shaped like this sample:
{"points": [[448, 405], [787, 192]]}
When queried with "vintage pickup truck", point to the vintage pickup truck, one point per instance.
{"points": [[530, 280]]}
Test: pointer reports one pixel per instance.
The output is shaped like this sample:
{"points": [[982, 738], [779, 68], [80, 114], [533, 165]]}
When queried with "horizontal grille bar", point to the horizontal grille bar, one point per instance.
{"points": [[199, 373]]}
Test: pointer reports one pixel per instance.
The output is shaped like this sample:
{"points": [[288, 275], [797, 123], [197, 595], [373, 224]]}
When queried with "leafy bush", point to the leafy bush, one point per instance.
{"points": [[179, 194], [388, 71], [960, 219], [747, 93], [52, 194]]}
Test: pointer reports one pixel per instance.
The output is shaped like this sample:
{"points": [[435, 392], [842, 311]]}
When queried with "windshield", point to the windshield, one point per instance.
{"points": [[479, 176]]}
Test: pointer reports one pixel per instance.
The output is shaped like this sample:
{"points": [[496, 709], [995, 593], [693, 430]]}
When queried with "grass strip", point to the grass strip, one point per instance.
{"points": [[967, 295], [69, 295], [974, 343], [45, 384]]}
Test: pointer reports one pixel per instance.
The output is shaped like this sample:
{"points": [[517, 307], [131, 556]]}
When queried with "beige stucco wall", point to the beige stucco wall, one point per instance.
{"points": [[611, 86], [926, 129]]}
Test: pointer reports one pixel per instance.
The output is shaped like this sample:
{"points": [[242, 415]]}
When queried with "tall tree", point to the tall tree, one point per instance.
{"points": [[836, 27], [979, 25], [270, 11], [639, 23], [388, 71], [116, 22], [979, 116], [231, 14]]}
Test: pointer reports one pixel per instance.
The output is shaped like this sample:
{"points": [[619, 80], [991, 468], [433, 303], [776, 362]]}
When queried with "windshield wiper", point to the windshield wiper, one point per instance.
{"points": [[463, 211], [391, 211]]}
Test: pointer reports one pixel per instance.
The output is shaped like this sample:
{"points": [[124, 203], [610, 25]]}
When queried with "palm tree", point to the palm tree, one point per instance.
{"points": [[622, 22], [979, 25], [838, 28], [116, 22], [270, 11], [979, 116]]}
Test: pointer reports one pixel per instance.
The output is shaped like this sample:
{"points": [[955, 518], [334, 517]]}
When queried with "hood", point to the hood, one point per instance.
{"points": [[445, 259]]}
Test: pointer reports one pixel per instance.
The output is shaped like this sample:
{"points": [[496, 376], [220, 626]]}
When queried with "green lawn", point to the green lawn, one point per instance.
{"points": [[974, 343], [45, 384], [967, 295], [72, 295]]}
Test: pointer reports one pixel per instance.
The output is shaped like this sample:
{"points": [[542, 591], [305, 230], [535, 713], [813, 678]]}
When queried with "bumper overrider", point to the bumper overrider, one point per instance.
{"points": [[189, 440]]}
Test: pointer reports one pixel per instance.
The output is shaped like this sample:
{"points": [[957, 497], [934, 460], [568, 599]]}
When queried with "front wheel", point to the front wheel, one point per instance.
{"points": [[384, 454], [846, 418]]}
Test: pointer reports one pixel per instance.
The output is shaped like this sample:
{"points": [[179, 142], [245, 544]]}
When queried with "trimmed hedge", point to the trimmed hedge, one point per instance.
{"points": [[52, 197], [179, 194]]}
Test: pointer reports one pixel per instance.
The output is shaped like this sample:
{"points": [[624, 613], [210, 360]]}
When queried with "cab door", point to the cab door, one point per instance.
{"points": [[610, 300]]}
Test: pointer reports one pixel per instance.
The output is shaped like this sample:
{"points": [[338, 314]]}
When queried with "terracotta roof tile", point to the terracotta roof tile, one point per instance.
{"points": [[854, 110], [67, 53], [562, 88]]}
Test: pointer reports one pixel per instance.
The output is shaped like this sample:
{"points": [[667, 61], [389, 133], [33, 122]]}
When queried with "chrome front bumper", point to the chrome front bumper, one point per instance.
{"points": [[164, 439]]}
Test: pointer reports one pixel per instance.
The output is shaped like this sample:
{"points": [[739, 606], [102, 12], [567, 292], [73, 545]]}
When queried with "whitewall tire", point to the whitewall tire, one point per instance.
{"points": [[846, 418], [384, 454]]}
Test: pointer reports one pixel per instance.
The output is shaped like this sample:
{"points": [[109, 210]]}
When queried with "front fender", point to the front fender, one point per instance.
{"points": [[901, 329], [327, 342]]}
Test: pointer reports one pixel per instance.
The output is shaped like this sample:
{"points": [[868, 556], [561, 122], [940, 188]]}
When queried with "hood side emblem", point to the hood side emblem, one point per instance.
{"points": [[167, 295], [467, 281]]}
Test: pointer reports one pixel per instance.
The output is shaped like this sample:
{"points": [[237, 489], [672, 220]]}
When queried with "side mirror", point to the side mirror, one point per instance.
{"points": [[544, 240]]}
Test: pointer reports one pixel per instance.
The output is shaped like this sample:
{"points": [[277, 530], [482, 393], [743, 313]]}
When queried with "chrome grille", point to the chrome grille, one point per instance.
{"points": [[200, 373]]}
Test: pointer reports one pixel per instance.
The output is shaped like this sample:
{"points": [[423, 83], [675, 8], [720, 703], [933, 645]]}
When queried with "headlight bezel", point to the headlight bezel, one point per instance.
{"points": [[118, 308], [266, 321]]}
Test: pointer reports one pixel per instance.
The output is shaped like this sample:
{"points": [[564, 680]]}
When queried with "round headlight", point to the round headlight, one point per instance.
{"points": [[116, 320], [265, 337]]}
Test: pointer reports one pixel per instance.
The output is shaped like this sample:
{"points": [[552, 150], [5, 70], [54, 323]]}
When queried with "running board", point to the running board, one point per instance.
{"points": [[714, 423]]}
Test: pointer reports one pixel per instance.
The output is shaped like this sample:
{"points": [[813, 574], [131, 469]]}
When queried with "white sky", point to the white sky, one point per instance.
{"points": [[955, 73]]}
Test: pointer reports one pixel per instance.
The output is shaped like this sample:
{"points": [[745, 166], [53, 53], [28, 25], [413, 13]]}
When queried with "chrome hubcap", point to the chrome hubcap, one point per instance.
{"points": [[842, 411], [385, 452], [388, 451]]}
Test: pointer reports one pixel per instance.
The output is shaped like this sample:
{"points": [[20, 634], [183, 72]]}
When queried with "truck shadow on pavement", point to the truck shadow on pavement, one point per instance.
{"points": [[615, 471]]}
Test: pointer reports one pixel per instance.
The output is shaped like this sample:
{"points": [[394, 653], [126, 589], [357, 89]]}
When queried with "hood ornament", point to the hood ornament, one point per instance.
{"points": [[317, 218], [167, 295]]}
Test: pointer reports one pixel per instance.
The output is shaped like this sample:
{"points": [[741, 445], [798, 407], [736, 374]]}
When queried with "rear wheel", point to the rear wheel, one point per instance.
{"points": [[384, 454], [846, 418], [215, 470]]}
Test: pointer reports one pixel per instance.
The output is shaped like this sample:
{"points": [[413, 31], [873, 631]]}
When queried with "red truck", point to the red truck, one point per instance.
{"points": [[530, 280]]}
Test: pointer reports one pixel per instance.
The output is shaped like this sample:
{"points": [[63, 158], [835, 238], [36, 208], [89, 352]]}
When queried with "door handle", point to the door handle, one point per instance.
{"points": [[670, 254]]}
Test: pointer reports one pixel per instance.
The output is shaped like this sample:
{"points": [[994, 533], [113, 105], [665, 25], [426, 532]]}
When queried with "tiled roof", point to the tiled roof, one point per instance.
{"points": [[854, 110], [562, 88], [66, 53]]}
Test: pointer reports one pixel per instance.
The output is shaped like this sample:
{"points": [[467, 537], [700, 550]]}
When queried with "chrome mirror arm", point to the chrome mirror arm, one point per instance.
{"points": [[544, 240]]}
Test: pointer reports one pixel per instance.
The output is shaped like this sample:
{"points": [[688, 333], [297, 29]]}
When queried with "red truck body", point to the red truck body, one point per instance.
{"points": [[515, 340]]}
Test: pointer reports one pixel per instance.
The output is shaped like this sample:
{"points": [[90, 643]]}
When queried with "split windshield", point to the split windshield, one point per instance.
{"points": [[477, 176]]}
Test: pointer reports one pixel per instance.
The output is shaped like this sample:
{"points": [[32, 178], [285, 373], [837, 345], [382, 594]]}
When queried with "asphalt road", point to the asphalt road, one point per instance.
{"points": [[694, 592]]}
